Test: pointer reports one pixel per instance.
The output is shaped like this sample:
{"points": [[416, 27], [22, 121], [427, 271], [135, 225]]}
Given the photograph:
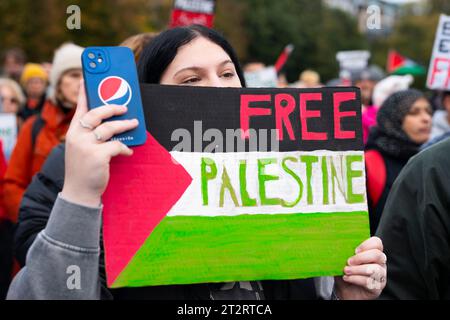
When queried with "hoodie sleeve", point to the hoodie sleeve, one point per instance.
{"points": [[63, 262]]}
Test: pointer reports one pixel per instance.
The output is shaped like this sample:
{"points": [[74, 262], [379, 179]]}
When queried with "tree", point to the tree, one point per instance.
{"points": [[40, 26], [317, 32]]}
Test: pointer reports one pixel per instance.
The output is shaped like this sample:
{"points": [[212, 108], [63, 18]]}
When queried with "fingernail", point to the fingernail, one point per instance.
{"points": [[345, 277], [347, 270], [357, 250], [350, 262]]}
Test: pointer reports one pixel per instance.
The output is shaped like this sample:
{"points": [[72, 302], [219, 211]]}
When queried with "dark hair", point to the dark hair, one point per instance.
{"points": [[159, 53]]}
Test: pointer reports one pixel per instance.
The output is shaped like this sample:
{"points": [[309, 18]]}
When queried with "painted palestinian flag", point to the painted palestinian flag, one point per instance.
{"points": [[238, 185], [400, 65]]}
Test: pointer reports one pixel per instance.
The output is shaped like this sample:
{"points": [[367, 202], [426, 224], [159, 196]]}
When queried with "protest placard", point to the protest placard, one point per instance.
{"points": [[8, 133], [439, 69], [353, 60], [188, 12], [265, 78], [238, 184]]}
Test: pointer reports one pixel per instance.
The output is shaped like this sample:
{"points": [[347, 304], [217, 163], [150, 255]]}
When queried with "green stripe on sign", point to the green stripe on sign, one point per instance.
{"points": [[196, 249]]}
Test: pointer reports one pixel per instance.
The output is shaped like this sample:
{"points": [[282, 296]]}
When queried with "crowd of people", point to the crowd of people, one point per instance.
{"points": [[52, 182]]}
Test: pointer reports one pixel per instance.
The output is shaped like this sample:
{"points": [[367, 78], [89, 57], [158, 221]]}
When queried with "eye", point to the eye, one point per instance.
{"points": [[413, 112], [191, 80], [228, 74]]}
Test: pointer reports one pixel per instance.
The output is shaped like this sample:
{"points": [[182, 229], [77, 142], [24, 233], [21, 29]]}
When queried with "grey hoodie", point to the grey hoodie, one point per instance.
{"points": [[63, 261]]}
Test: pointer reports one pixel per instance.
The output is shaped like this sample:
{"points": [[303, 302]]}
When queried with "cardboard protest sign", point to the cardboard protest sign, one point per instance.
{"points": [[236, 185], [265, 78], [439, 70], [187, 12], [8, 132], [353, 60]]}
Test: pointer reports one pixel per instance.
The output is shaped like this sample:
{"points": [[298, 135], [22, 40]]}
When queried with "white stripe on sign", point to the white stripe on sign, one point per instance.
{"points": [[271, 183]]}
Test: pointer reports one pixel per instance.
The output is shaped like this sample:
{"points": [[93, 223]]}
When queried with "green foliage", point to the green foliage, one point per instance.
{"points": [[258, 29], [40, 26]]}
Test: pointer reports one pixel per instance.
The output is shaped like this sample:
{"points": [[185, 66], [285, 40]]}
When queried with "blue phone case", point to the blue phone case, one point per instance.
{"points": [[111, 79]]}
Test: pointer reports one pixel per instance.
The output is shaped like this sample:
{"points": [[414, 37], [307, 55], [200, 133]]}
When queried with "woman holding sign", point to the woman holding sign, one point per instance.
{"points": [[194, 56]]}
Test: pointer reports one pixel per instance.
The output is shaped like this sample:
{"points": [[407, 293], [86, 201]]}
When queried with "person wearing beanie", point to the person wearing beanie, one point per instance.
{"points": [[403, 125], [41, 132], [366, 80], [34, 81]]}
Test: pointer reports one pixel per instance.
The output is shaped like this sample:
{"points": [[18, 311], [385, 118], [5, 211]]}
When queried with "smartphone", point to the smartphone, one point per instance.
{"points": [[110, 78]]}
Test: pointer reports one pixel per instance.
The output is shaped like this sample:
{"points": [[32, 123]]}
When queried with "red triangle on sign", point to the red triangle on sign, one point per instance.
{"points": [[395, 61], [141, 190]]}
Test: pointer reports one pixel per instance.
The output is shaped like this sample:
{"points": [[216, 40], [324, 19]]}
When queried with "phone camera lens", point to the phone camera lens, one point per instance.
{"points": [[92, 65], [91, 55]]}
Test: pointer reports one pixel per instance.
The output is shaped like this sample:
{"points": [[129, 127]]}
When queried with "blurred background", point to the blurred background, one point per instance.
{"points": [[258, 29]]}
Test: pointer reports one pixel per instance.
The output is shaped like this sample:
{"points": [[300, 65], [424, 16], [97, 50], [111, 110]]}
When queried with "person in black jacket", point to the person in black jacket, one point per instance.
{"points": [[415, 228], [403, 125], [59, 221]]}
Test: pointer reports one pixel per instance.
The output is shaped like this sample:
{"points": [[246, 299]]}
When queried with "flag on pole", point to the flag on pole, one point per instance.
{"points": [[282, 59], [400, 65]]}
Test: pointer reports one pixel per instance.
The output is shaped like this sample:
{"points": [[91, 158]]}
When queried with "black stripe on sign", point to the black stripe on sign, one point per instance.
{"points": [[310, 119]]}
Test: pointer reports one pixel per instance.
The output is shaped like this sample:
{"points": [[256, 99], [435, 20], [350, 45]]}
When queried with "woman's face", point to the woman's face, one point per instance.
{"points": [[69, 86], [9, 100], [201, 63], [417, 122], [35, 87]]}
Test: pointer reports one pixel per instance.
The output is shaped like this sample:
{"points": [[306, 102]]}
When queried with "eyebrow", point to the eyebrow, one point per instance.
{"points": [[199, 68]]}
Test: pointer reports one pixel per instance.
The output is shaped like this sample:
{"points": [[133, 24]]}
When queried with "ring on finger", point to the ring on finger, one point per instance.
{"points": [[86, 125], [98, 136]]}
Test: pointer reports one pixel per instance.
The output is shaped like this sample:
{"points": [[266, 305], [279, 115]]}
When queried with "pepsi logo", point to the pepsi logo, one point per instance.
{"points": [[115, 90]]}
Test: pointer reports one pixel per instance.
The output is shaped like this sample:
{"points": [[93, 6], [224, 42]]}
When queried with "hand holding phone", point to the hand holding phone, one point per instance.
{"points": [[111, 79]]}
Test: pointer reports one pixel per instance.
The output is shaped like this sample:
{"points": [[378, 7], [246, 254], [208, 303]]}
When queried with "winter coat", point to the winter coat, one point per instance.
{"points": [[415, 228], [394, 146], [3, 215], [31, 150]]}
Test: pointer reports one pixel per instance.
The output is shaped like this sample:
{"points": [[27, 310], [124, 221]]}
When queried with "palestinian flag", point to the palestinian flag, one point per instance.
{"points": [[238, 185], [400, 65]]}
